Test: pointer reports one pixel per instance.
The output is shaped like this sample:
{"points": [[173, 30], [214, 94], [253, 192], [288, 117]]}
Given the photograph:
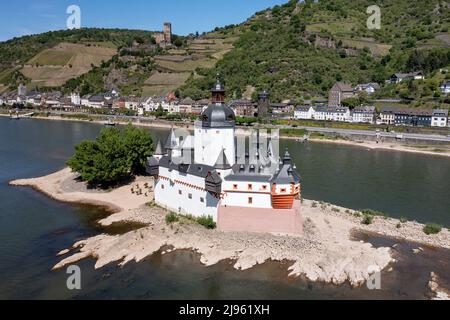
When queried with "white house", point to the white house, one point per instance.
{"points": [[326, 113], [370, 88], [399, 77], [440, 118], [445, 87], [304, 113], [85, 100], [387, 115], [75, 99], [96, 101], [364, 114], [132, 103]]}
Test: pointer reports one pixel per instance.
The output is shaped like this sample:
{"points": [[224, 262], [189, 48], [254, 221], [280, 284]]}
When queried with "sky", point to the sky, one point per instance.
{"points": [[25, 17]]}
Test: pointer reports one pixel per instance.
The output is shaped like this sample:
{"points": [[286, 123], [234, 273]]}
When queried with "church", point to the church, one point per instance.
{"points": [[242, 187]]}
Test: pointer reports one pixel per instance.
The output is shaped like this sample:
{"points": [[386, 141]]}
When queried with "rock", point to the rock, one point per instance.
{"points": [[63, 252]]}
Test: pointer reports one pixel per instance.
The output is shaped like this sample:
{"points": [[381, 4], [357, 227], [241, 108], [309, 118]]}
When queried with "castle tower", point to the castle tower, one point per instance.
{"points": [[218, 93], [168, 32], [215, 131], [21, 90], [263, 104]]}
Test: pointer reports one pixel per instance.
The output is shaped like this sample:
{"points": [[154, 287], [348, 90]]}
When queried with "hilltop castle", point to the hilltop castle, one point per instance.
{"points": [[211, 174], [165, 36]]}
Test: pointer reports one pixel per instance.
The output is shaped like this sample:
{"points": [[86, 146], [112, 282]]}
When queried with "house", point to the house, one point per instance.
{"points": [[132, 103], [304, 113], [119, 103], [369, 88], [387, 115], [413, 117], [96, 101], [445, 87], [339, 92], [185, 105], [399, 77], [85, 100], [52, 100], [440, 118], [75, 99], [328, 113], [244, 108], [366, 114], [282, 108]]}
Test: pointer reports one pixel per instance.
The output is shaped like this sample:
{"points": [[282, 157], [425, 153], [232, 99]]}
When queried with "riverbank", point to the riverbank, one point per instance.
{"points": [[327, 252], [370, 145]]}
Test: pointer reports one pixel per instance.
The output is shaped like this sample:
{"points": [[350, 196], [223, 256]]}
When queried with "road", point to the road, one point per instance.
{"points": [[415, 136], [394, 135]]}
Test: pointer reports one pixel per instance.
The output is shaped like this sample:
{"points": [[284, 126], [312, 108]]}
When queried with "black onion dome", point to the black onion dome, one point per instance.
{"points": [[218, 116]]}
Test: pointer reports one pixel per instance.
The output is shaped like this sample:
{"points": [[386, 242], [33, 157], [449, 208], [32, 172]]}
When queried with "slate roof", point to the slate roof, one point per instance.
{"points": [[222, 161]]}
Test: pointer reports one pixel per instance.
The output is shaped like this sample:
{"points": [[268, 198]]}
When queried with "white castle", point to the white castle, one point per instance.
{"points": [[210, 174]]}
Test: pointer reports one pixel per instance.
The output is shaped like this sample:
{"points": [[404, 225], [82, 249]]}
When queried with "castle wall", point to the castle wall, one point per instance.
{"points": [[189, 202], [239, 197]]}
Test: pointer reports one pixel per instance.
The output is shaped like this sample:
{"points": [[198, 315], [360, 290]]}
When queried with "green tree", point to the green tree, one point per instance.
{"points": [[113, 157]]}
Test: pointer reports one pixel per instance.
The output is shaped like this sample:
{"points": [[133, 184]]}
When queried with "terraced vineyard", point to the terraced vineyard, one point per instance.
{"points": [[53, 67], [178, 65]]}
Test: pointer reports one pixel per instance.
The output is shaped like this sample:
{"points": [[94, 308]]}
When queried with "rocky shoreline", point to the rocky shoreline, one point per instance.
{"points": [[327, 252]]}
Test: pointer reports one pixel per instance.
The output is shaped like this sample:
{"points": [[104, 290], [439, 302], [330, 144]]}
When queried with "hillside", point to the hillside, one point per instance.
{"points": [[296, 51], [52, 58], [299, 50]]}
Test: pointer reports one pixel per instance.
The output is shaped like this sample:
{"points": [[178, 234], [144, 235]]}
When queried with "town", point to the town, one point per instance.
{"points": [[335, 109]]}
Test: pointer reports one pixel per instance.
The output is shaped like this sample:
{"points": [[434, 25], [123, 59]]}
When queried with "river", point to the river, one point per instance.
{"points": [[34, 228]]}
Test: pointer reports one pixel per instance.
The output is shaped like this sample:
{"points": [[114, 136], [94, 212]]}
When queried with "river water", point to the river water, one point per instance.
{"points": [[34, 228]]}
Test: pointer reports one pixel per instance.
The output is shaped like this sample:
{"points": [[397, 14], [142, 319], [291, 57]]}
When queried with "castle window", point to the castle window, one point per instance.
{"points": [[250, 187], [235, 186], [264, 187], [283, 190], [162, 186], [250, 200], [190, 195], [202, 200], [180, 192]]}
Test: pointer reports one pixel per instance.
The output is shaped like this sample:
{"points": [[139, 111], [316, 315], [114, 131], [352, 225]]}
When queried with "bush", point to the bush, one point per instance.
{"points": [[171, 218], [113, 157], [367, 220], [403, 220], [207, 222], [432, 228], [373, 213]]}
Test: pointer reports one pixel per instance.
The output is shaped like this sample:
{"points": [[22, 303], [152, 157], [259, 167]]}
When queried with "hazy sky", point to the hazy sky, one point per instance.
{"points": [[23, 17]]}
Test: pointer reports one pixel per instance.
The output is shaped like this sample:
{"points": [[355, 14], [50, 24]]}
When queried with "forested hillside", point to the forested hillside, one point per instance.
{"points": [[299, 50]]}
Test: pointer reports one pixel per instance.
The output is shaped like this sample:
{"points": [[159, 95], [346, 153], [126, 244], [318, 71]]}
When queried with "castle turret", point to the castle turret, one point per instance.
{"points": [[214, 132], [263, 104]]}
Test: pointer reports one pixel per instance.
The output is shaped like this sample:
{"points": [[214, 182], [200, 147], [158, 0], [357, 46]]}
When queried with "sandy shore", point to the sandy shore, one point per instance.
{"points": [[326, 252], [372, 145]]}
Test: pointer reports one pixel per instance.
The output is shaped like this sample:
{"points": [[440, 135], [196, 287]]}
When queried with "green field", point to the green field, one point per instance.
{"points": [[52, 58], [159, 78]]}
